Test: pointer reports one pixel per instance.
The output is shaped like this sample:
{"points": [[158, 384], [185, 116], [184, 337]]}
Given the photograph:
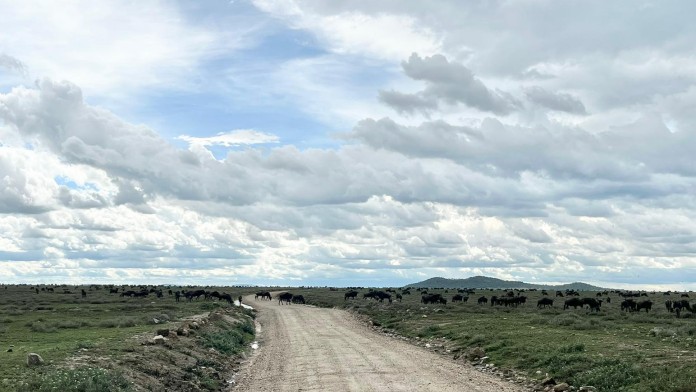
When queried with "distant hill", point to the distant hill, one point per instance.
{"points": [[484, 282]]}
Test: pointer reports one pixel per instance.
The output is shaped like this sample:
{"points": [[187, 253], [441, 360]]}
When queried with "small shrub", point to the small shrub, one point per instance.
{"points": [[208, 383], [609, 376], [127, 322], [232, 341], [84, 344], [584, 325], [71, 324], [565, 319], [428, 331], [660, 332], [84, 379], [39, 326], [572, 348], [158, 318], [108, 323], [5, 320], [687, 330]]}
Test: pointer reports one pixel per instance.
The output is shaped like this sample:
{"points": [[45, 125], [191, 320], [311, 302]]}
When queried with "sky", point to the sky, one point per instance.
{"points": [[342, 143]]}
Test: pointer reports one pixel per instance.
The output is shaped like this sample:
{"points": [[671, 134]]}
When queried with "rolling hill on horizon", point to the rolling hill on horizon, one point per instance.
{"points": [[485, 282]]}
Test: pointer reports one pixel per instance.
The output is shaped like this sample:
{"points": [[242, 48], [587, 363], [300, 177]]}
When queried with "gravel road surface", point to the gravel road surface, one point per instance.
{"points": [[303, 348]]}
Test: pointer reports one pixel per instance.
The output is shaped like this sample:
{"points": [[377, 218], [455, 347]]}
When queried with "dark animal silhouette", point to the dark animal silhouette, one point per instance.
{"points": [[544, 302], [298, 299], [284, 298], [351, 294]]}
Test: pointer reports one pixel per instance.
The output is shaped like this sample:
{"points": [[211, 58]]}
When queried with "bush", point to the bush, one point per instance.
{"points": [[108, 323], [127, 322], [660, 332], [70, 324], [609, 376], [84, 344], [158, 318], [232, 341], [84, 379], [38, 326]]}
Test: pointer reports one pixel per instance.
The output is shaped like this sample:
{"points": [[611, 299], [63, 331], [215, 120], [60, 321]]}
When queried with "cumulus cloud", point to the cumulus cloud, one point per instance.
{"points": [[408, 103], [447, 82], [428, 198], [509, 175], [555, 101]]}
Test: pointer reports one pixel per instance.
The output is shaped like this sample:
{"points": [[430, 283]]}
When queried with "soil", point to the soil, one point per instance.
{"points": [[304, 348]]}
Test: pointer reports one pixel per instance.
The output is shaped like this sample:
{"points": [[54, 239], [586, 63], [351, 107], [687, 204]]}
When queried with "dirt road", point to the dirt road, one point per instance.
{"points": [[304, 348]]}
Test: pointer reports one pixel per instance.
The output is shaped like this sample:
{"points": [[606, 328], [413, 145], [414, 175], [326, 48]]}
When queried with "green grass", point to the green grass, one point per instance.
{"points": [[230, 341], [84, 379], [57, 325]]}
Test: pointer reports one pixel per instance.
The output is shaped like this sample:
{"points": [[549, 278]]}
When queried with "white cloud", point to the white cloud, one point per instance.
{"points": [[381, 35], [238, 137], [111, 47], [12, 64]]}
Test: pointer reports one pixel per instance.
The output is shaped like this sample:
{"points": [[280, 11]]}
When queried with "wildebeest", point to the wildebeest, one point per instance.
{"points": [[433, 299], [628, 305], [84, 293], [459, 298], [508, 301], [191, 294], [351, 294], [647, 305], [136, 294], [226, 297], [381, 295], [298, 299], [574, 302], [482, 300], [284, 297], [177, 296], [668, 305], [113, 291], [678, 306], [544, 302], [399, 297], [371, 294], [263, 295], [594, 304]]}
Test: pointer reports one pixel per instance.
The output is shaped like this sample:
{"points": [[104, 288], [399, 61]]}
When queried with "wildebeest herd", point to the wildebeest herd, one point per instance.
{"points": [[283, 297], [631, 301], [512, 298], [127, 291]]}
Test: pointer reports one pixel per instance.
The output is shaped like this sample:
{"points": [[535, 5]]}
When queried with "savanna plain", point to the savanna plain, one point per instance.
{"points": [[101, 340]]}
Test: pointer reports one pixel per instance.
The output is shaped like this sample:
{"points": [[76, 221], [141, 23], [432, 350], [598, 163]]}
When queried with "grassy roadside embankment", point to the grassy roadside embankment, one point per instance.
{"points": [[105, 339]]}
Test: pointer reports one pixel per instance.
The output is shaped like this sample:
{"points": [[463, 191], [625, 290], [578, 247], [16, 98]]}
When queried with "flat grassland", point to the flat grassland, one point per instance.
{"points": [[62, 325], [612, 350]]}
